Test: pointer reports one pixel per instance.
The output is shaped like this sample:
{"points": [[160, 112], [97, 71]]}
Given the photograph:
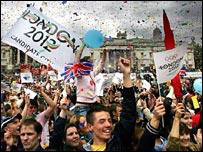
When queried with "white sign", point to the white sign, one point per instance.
{"points": [[43, 39], [118, 78], [99, 79], [193, 74], [26, 77], [30, 92], [5, 87], [16, 87], [52, 75], [169, 63], [146, 85], [103, 80]]}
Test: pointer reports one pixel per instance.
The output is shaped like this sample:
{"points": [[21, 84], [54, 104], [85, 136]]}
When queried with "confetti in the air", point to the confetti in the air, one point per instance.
{"points": [[137, 18]]}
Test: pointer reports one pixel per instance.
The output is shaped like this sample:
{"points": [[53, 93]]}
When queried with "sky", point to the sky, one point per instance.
{"points": [[137, 18]]}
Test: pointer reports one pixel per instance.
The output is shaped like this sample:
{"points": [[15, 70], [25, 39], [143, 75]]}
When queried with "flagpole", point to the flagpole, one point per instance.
{"points": [[162, 118]]}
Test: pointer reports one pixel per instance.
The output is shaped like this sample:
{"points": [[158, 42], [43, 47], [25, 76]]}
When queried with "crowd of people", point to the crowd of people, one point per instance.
{"points": [[71, 117]]}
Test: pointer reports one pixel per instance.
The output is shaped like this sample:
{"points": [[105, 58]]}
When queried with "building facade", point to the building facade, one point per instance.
{"points": [[139, 50], [12, 57]]}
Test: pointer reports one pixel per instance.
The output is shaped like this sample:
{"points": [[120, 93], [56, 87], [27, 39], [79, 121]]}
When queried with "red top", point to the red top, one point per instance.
{"points": [[196, 120]]}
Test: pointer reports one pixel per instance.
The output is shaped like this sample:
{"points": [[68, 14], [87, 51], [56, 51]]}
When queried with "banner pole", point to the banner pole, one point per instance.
{"points": [[162, 118]]}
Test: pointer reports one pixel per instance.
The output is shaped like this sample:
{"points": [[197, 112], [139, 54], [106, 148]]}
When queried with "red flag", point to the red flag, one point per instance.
{"points": [[170, 44]]}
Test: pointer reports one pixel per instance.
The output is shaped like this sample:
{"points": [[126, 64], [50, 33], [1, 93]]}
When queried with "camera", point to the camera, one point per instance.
{"points": [[144, 96]]}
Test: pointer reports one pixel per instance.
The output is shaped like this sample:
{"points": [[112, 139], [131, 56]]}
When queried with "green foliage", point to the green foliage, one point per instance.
{"points": [[198, 56]]}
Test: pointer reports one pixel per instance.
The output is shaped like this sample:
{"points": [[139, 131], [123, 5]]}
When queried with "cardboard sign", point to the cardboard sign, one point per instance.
{"points": [[195, 102], [30, 92], [169, 63], [16, 87], [26, 77], [146, 85], [5, 87]]}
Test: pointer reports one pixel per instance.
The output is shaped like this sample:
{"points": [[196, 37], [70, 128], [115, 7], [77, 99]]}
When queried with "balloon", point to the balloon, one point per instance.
{"points": [[93, 39], [198, 86]]}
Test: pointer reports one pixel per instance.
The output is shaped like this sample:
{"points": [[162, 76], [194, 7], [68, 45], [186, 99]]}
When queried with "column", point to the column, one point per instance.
{"points": [[11, 57], [18, 57], [114, 60], [26, 59], [108, 60]]}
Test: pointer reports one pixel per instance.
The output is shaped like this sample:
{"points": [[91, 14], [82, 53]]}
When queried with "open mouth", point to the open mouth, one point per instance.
{"points": [[107, 131], [185, 141]]}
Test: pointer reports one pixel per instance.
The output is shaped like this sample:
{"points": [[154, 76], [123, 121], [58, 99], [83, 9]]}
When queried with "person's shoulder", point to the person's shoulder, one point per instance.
{"points": [[39, 148]]}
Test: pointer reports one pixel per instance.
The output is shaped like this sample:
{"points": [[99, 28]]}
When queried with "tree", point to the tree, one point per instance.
{"points": [[198, 56]]}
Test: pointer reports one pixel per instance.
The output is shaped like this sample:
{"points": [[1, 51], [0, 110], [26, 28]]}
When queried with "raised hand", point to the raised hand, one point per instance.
{"points": [[124, 65], [27, 99], [198, 136], [39, 88], [180, 109], [57, 92], [159, 109]]}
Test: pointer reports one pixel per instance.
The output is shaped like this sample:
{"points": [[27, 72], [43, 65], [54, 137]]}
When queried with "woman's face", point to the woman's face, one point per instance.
{"points": [[185, 140], [68, 89], [187, 119]]}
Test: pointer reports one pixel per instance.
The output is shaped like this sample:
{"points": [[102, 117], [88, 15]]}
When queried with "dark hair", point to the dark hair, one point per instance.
{"points": [[184, 129], [85, 59], [69, 125], [43, 65], [7, 107], [34, 102], [186, 111], [37, 126], [190, 90], [95, 108]]}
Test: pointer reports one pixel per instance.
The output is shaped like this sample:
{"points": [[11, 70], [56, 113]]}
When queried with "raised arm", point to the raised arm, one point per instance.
{"points": [[56, 140], [78, 53], [173, 140], [147, 141], [101, 64], [176, 122], [25, 109], [125, 127], [49, 101], [124, 65]]}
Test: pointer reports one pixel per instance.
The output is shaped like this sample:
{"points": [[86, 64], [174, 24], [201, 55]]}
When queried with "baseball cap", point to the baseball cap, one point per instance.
{"points": [[10, 120]]}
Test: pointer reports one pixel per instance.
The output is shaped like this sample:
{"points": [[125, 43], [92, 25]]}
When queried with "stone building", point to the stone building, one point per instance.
{"points": [[12, 57], [140, 51]]}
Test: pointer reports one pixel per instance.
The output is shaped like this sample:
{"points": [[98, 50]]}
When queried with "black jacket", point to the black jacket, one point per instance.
{"points": [[123, 131], [56, 140], [147, 141]]}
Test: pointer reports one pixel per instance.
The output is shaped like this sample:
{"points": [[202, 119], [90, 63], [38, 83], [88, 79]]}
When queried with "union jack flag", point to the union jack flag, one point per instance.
{"points": [[77, 70]]}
